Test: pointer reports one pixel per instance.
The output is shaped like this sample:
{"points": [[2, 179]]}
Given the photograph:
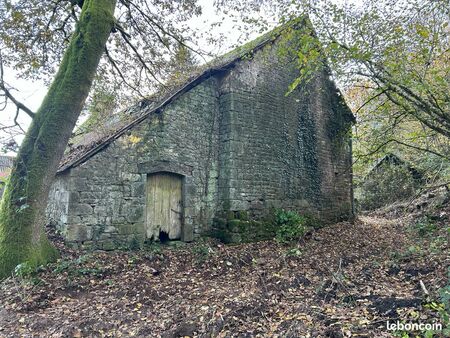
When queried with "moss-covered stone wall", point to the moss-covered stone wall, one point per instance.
{"points": [[281, 151]]}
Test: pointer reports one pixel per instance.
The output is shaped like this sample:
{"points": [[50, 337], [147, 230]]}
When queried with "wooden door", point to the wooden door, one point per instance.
{"points": [[164, 205]]}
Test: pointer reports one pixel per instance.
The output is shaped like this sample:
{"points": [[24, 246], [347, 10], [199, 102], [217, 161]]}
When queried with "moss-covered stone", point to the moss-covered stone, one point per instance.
{"points": [[135, 242], [219, 223], [108, 245], [230, 215], [236, 225], [88, 245], [236, 238], [221, 234], [244, 231], [242, 215]]}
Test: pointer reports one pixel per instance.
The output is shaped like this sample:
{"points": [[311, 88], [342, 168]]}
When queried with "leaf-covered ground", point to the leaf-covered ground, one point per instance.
{"points": [[342, 280]]}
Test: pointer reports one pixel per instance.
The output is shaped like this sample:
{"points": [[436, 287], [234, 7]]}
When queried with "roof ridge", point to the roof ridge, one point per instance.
{"points": [[251, 46]]}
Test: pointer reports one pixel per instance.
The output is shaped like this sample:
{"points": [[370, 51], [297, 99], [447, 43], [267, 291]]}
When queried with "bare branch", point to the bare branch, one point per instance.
{"points": [[9, 96], [384, 144], [117, 69], [370, 100], [152, 23], [126, 37]]}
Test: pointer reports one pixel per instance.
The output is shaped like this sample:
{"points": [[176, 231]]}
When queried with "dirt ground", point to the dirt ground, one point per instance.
{"points": [[340, 281]]}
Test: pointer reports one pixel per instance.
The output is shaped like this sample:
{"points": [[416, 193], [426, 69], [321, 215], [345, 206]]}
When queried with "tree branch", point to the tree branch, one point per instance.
{"points": [[377, 149], [117, 69], [126, 37], [9, 96]]}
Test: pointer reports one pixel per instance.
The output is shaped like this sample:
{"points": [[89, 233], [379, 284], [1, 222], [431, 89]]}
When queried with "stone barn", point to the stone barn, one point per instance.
{"points": [[228, 140]]}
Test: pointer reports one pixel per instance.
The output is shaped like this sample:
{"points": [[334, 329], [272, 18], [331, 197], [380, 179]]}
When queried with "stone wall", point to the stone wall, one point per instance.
{"points": [[106, 207], [283, 151], [58, 206]]}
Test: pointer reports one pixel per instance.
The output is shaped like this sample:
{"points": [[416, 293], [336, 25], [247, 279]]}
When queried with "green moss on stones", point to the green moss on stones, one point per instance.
{"points": [[236, 225], [242, 215], [239, 228], [220, 223], [222, 235]]}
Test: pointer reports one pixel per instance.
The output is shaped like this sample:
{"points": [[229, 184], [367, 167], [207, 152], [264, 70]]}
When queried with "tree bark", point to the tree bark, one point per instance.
{"points": [[22, 210]]}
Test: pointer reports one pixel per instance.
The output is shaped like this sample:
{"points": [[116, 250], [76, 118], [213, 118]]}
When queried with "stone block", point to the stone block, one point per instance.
{"points": [[219, 223], [187, 232], [239, 205], [135, 214], [139, 228], [107, 245], [125, 229], [110, 229], [80, 184], [81, 209], [74, 197], [235, 225], [126, 188], [104, 236], [100, 210], [78, 233], [256, 204], [137, 189], [89, 219], [90, 197], [73, 219], [130, 177], [88, 246]]}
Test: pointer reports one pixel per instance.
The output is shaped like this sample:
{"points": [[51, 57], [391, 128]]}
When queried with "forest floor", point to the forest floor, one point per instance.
{"points": [[340, 281]]}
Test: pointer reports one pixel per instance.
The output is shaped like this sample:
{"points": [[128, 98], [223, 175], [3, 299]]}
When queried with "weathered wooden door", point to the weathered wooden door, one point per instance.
{"points": [[164, 205]]}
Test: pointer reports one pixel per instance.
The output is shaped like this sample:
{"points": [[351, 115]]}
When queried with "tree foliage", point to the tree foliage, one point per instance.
{"points": [[391, 59], [36, 38], [35, 34], [397, 50]]}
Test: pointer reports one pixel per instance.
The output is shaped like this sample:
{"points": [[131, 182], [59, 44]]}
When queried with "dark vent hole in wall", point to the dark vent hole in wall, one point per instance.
{"points": [[163, 237]]}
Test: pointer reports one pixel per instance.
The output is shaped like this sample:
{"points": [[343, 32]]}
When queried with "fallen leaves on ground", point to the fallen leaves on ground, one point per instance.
{"points": [[343, 280]]}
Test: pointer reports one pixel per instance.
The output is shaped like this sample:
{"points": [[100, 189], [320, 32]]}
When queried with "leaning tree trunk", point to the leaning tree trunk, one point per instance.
{"points": [[22, 210]]}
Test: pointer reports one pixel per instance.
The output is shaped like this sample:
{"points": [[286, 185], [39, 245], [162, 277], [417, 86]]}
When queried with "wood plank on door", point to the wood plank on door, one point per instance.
{"points": [[164, 205]]}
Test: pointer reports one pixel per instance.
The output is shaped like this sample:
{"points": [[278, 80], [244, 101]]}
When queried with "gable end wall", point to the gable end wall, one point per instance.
{"points": [[281, 151]]}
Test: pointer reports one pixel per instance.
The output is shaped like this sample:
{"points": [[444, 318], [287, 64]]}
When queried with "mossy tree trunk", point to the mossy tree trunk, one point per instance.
{"points": [[22, 210]]}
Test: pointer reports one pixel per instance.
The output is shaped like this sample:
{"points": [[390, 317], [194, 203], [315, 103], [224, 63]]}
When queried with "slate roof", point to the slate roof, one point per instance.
{"points": [[92, 142]]}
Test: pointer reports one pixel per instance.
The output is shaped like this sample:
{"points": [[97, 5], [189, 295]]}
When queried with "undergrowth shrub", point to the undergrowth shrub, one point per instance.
{"points": [[424, 227], [292, 226], [202, 253], [24, 270]]}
